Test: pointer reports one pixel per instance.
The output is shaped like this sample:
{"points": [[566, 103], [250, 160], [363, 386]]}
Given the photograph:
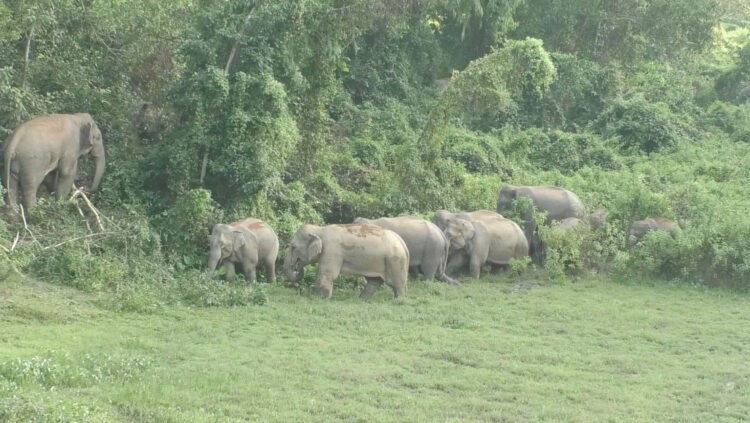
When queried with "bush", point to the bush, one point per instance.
{"points": [[640, 126], [557, 150]]}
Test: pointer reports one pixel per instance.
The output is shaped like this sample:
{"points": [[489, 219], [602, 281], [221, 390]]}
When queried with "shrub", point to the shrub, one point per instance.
{"points": [[640, 126]]}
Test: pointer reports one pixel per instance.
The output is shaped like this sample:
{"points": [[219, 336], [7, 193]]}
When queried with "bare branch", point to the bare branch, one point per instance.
{"points": [[26, 226], [97, 234]]}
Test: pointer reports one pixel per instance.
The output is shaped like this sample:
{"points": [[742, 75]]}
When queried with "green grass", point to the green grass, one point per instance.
{"points": [[495, 350]]}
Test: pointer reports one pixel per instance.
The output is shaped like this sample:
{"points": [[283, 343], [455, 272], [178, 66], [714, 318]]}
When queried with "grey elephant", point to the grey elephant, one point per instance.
{"points": [[570, 223], [268, 244], [598, 218], [558, 203], [233, 245], [640, 228], [51, 144], [378, 254], [477, 243], [427, 245], [443, 216]]}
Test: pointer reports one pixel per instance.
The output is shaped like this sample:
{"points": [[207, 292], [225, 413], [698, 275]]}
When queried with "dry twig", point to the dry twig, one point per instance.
{"points": [[79, 192]]}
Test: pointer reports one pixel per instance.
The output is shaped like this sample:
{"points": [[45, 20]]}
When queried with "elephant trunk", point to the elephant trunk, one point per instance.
{"points": [[292, 270], [213, 259], [98, 155]]}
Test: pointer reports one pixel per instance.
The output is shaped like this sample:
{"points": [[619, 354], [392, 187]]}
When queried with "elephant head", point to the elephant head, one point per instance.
{"points": [[441, 218], [598, 218], [226, 243], [460, 234], [507, 195], [304, 249], [91, 143]]}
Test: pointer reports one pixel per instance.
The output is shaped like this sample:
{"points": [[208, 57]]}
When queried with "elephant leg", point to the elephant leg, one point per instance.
{"points": [[429, 269], [475, 266], [270, 266], [29, 188], [230, 270], [50, 181], [64, 185], [499, 268], [372, 285], [324, 281], [414, 271], [249, 271], [456, 262]]}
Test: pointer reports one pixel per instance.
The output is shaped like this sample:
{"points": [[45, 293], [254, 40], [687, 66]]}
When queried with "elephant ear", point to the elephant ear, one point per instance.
{"points": [[314, 247], [238, 241], [84, 139]]}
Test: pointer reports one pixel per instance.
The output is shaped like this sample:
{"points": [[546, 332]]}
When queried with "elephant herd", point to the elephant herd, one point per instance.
{"points": [[388, 249], [385, 250]]}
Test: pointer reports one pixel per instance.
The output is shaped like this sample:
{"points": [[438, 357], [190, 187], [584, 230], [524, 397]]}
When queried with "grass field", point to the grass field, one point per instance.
{"points": [[494, 350]]}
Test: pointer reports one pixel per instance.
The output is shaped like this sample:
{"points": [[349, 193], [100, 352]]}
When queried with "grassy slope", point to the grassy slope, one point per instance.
{"points": [[488, 351]]}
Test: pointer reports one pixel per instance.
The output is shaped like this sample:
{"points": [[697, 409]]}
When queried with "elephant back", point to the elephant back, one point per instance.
{"points": [[268, 242], [507, 241], [559, 203]]}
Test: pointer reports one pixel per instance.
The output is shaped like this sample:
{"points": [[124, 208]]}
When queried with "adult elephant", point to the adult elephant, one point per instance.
{"points": [[427, 245], [267, 245], [51, 143], [558, 203], [443, 216], [231, 246], [640, 228], [477, 243], [378, 254]]}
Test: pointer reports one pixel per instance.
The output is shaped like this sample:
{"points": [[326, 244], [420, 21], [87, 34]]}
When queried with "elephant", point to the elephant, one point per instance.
{"points": [[570, 223], [495, 242], [268, 244], [51, 144], [427, 245], [443, 216], [376, 253], [558, 203], [640, 228], [231, 245], [598, 218]]}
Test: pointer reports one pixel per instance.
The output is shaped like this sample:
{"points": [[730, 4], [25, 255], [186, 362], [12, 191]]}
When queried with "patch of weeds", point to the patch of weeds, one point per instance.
{"points": [[50, 373]]}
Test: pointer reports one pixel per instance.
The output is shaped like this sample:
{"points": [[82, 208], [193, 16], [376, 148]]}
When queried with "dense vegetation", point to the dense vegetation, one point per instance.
{"points": [[323, 110]]}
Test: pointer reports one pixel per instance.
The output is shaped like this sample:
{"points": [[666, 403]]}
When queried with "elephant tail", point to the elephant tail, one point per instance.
{"points": [[10, 153]]}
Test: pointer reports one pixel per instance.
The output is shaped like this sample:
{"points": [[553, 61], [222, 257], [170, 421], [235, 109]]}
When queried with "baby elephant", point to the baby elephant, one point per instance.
{"points": [[640, 228], [378, 254], [248, 242], [476, 242]]}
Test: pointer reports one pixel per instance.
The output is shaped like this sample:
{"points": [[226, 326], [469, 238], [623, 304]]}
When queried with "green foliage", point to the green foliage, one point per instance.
{"points": [[477, 152], [624, 31], [558, 150], [321, 111], [578, 95], [640, 126], [489, 88], [184, 227]]}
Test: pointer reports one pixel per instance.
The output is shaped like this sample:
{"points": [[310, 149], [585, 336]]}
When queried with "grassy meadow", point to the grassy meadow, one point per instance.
{"points": [[500, 349]]}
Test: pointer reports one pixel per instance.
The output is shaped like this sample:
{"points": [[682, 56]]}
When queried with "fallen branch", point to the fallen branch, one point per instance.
{"points": [[79, 192], [59, 244], [26, 226]]}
